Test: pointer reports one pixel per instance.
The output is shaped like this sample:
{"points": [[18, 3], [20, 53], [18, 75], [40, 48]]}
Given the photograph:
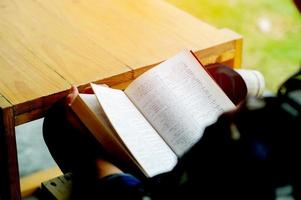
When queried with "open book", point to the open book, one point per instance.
{"points": [[158, 117]]}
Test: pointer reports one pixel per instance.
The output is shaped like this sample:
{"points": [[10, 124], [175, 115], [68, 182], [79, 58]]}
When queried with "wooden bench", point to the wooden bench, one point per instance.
{"points": [[48, 45]]}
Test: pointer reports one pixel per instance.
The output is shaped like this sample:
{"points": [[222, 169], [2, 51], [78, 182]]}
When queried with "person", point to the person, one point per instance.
{"points": [[248, 153], [75, 150], [251, 152]]}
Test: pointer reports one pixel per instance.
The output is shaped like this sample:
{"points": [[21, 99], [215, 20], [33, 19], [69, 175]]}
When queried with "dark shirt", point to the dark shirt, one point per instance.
{"points": [[252, 153]]}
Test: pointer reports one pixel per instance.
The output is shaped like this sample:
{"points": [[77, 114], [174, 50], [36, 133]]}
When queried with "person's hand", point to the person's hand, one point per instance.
{"points": [[72, 95], [74, 92], [71, 117]]}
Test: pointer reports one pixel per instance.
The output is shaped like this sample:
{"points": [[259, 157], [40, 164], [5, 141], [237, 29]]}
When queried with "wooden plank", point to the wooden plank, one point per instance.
{"points": [[31, 115], [126, 29], [9, 172], [36, 108], [41, 53], [152, 31], [23, 76], [46, 29], [29, 184]]}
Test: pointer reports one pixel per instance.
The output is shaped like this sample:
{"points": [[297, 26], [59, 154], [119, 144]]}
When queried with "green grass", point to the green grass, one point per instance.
{"points": [[277, 52]]}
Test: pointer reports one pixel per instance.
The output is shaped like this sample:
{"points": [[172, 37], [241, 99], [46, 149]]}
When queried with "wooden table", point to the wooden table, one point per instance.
{"points": [[48, 45]]}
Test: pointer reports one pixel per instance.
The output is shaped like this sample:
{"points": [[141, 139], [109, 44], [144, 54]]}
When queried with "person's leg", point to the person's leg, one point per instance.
{"points": [[68, 140], [72, 146], [75, 150]]}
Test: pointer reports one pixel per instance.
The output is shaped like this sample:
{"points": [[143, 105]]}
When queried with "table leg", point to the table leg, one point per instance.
{"points": [[9, 172]]}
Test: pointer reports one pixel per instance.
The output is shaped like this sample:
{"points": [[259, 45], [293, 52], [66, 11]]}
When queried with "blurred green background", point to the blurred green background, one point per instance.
{"points": [[271, 32]]}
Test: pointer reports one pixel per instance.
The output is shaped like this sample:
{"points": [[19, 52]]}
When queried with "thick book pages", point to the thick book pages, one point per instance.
{"points": [[137, 134], [88, 109], [159, 116]]}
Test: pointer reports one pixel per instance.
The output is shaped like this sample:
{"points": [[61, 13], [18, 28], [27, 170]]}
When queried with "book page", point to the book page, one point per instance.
{"points": [[96, 121], [141, 139], [88, 109], [179, 99]]}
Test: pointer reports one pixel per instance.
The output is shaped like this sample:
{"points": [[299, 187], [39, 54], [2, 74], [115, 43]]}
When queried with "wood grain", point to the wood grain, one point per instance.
{"points": [[142, 33], [42, 54], [46, 46], [4, 103], [23, 76]]}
